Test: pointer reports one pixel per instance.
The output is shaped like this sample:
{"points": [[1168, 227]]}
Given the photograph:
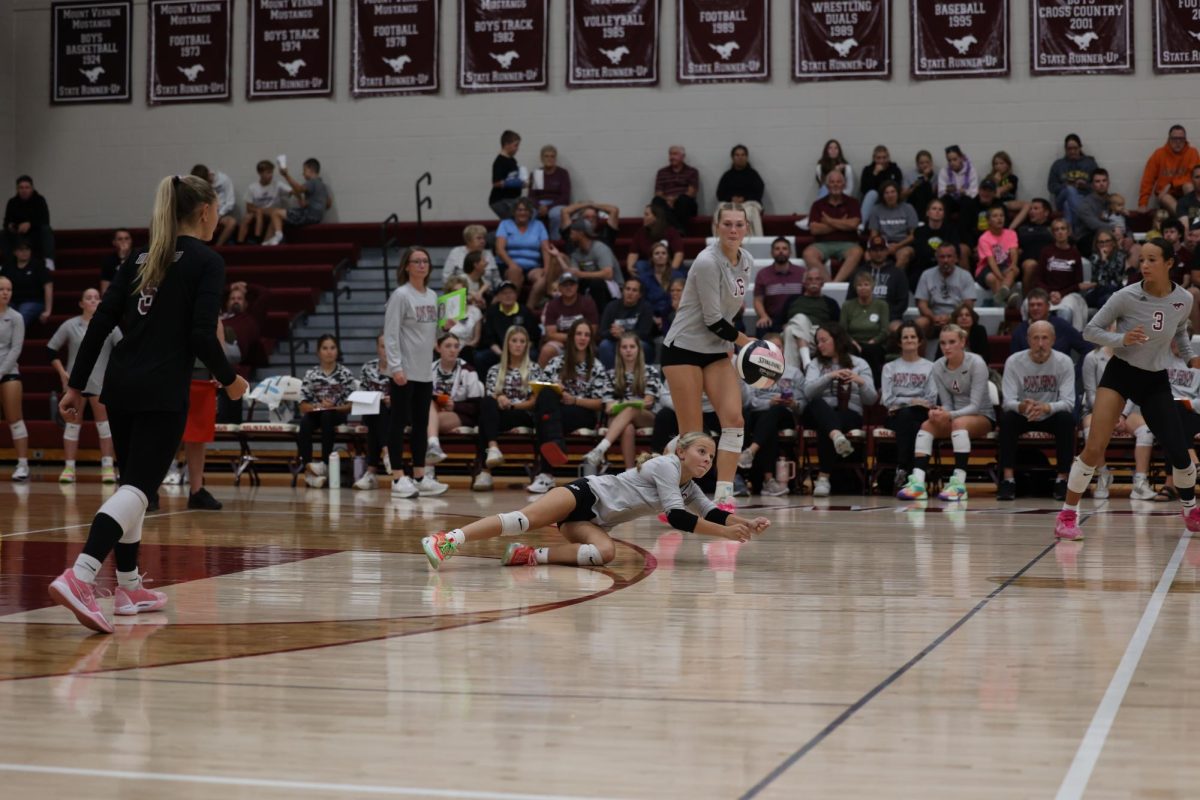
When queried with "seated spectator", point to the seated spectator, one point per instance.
{"points": [[1130, 423], [635, 387], [1110, 270], [266, 193], [963, 411], [468, 329], [1006, 188], [631, 314], [1038, 395], [12, 340], [69, 336], [1060, 273], [837, 386], [865, 319], [767, 412], [481, 281], [1070, 178], [583, 379], [676, 186], [507, 181], [501, 315], [32, 284], [474, 270], [890, 285], [896, 222], [881, 170], [676, 293], [997, 268], [957, 179], [122, 243], [604, 218], [509, 402], [920, 185], [1168, 173], [967, 318], [1188, 207], [1185, 386], [928, 238], [805, 313], [457, 395], [908, 393], [592, 262], [833, 222], [775, 288], [1117, 216], [561, 313], [375, 377], [245, 312], [324, 404], [666, 424], [1033, 236], [226, 200], [554, 192], [1091, 214], [27, 216], [656, 279], [973, 213], [312, 201], [742, 184], [522, 245], [654, 230], [1067, 338], [832, 160], [942, 290]]}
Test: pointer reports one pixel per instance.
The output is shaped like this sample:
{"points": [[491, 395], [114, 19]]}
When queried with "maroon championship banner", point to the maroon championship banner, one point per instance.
{"points": [[723, 40], [1067, 37], [395, 47], [501, 45], [612, 43], [959, 40], [1176, 36], [190, 50], [291, 49], [840, 40], [90, 52]]}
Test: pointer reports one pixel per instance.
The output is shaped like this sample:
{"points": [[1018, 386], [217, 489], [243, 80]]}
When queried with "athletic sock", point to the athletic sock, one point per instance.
{"points": [[70, 463], [86, 568], [960, 475], [433, 441], [917, 475], [1069, 507], [542, 555], [458, 536], [603, 445], [22, 462], [129, 580], [105, 461]]}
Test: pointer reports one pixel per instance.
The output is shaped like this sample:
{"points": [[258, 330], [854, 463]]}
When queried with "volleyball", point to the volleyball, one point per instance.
{"points": [[760, 364]]}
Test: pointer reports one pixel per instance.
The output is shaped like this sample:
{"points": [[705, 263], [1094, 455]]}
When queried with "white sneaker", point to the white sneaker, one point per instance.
{"points": [[802, 224], [773, 488], [821, 487], [1104, 479], [494, 457], [21, 473], [842, 446], [746, 459], [482, 482], [541, 484], [429, 486], [274, 240], [596, 457], [367, 482], [317, 469], [404, 487], [434, 454], [1142, 490], [314, 481], [174, 476]]}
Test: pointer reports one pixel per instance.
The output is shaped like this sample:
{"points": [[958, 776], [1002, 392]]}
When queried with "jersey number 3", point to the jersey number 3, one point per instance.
{"points": [[1158, 321]]}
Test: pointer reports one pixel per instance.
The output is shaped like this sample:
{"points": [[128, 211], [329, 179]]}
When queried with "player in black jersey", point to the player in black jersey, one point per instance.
{"points": [[166, 303]]}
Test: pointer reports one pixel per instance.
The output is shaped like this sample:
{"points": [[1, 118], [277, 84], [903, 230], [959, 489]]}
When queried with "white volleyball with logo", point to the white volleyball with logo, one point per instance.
{"points": [[760, 364]]}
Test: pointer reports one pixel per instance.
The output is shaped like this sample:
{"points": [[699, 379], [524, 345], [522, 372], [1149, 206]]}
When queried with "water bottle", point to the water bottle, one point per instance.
{"points": [[335, 470]]}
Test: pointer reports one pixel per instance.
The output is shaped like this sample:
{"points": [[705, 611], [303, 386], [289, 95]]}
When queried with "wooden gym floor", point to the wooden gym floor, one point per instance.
{"points": [[860, 648]]}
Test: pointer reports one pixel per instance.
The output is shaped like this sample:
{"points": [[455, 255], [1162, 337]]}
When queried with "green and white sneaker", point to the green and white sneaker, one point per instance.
{"points": [[914, 489], [438, 549], [955, 490]]}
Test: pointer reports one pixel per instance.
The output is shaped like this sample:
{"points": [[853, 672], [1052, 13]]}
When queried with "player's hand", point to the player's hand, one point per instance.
{"points": [[71, 405], [760, 524], [238, 388], [399, 378], [1135, 336], [764, 322], [738, 532], [1194, 363]]}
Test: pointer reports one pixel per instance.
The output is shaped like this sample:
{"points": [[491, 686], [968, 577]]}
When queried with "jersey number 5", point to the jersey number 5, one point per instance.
{"points": [[1158, 321]]}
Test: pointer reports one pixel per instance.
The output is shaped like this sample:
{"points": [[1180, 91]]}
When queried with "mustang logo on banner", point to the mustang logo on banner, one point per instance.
{"points": [[723, 40], [612, 43]]}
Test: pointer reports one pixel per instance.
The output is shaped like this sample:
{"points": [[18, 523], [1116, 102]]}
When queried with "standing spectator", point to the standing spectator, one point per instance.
{"points": [[997, 269], [507, 181], [1038, 395], [312, 201], [768, 412], [832, 160], [201, 425], [266, 193], [1033, 236], [604, 218], [1006, 187], [920, 185], [928, 238], [508, 403], [226, 200], [1168, 172], [1067, 338], [908, 393], [457, 394], [554, 193], [522, 247], [324, 404], [654, 230], [941, 290], [656, 279], [957, 179], [1060, 273], [12, 340], [632, 314], [890, 284], [833, 222], [499, 317], [561, 313], [676, 187], [838, 386], [487, 279], [592, 262], [28, 216], [374, 377], [896, 222], [742, 184], [865, 320], [122, 243], [1071, 178], [880, 171], [775, 288], [805, 313], [32, 284], [636, 386], [1092, 212]]}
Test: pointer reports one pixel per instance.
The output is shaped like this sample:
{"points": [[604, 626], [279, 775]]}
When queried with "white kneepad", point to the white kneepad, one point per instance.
{"points": [[18, 429], [71, 432], [103, 431], [513, 522], [1184, 478], [1143, 437], [127, 507], [731, 440], [589, 556]]}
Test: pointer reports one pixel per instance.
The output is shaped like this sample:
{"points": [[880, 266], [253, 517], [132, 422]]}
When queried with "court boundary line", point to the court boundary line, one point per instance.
{"points": [[878, 689], [1075, 782], [272, 783], [151, 517]]}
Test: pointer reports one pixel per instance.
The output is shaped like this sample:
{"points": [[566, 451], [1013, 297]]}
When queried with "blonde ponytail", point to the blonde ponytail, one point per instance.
{"points": [[175, 201]]}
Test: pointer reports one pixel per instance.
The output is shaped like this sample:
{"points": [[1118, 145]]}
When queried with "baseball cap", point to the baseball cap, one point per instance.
{"points": [[506, 285], [987, 183], [568, 277]]}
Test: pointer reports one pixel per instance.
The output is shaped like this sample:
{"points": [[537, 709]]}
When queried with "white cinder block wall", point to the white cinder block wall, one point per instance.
{"points": [[7, 98], [97, 164]]}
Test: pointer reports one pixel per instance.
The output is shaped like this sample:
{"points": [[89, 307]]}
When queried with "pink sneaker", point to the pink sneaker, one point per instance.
{"points": [[1191, 518], [519, 555], [1066, 528], [129, 602], [80, 599], [728, 505]]}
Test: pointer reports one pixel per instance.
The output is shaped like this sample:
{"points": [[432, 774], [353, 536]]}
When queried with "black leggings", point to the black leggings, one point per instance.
{"points": [[410, 406], [823, 418], [907, 423], [1061, 424], [1161, 413], [324, 421], [377, 435], [762, 428], [1191, 426]]}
